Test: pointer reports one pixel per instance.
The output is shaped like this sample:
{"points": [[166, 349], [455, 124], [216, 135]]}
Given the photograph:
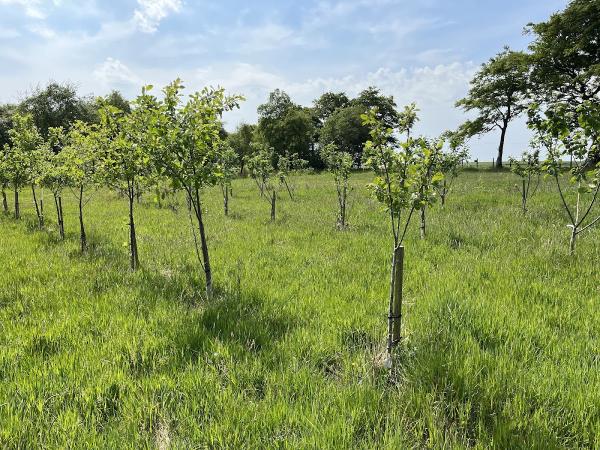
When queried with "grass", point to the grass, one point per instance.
{"points": [[502, 326]]}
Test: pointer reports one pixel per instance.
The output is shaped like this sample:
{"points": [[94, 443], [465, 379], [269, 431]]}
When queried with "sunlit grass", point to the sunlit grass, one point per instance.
{"points": [[502, 326]]}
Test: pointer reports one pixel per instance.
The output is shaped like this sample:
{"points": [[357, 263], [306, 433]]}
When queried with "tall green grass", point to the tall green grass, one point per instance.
{"points": [[502, 326]]}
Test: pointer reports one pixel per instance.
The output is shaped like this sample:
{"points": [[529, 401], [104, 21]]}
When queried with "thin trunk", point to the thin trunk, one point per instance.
{"points": [[273, 201], [395, 307], [17, 206], [59, 215], [501, 146], [524, 197], [37, 208], [204, 245], [572, 241], [4, 199], [343, 207], [422, 226], [444, 192], [82, 235], [226, 200], [135, 262]]}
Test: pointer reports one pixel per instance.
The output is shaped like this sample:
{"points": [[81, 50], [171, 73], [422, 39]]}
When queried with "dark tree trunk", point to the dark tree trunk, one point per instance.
{"points": [[395, 307], [422, 226], [82, 235], [273, 201], [501, 146], [343, 208], [204, 245], [17, 205], [444, 192], [59, 215], [226, 199], [4, 199], [39, 213], [135, 261]]}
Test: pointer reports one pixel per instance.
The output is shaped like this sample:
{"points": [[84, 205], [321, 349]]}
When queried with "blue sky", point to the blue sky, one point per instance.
{"points": [[416, 50]]}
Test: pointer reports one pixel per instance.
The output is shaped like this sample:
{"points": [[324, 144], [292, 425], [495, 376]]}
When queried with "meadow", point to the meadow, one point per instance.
{"points": [[502, 326]]}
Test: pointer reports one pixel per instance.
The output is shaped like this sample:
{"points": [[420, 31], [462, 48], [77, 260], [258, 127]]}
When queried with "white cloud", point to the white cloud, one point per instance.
{"points": [[32, 7], [9, 33], [42, 31], [113, 72], [150, 12]]}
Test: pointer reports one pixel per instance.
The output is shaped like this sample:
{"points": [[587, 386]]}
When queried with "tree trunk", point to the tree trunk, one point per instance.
{"points": [[17, 206], [395, 307], [82, 235], [572, 241], [135, 262], [226, 200], [273, 200], [501, 146], [422, 226], [524, 197], [4, 199], [59, 216], [204, 245], [37, 208], [444, 192], [343, 208]]}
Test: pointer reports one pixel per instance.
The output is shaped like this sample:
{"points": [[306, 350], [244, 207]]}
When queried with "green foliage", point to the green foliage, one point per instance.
{"points": [[566, 55], [21, 161], [57, 105], [345, 129], [287, 128], [407, 175], [241, 142], [556, 132], [339, 163]]}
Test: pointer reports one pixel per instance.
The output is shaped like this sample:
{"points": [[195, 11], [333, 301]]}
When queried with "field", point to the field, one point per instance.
{"points": [[502, 326]]}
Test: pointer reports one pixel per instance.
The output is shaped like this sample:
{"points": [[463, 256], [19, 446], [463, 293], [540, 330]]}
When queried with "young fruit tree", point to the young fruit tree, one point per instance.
{"points": [[339, 163], [80, 156], [126, 156], [54, 176], [449, 164], [528, 169], [270, 172], [188, 146], [556, 131], [21, 158], [406, 181], [228, 161]]}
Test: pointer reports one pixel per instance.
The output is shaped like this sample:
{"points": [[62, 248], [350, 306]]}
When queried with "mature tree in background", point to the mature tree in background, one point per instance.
{"points": [[327, 104], [116, 99], [498, 93], [58, 105], [241, 142], [288, 128], [566, 58], [345, 129], [385, 106]]}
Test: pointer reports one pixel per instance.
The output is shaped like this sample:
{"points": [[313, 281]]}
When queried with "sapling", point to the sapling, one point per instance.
{"points": [[81, 163], [339, 163], [450, 162], [528, 169], [188, 145], [406, 181], [270, 171], [20, 156], [228, 161], [126, 155], [563, 132]]}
